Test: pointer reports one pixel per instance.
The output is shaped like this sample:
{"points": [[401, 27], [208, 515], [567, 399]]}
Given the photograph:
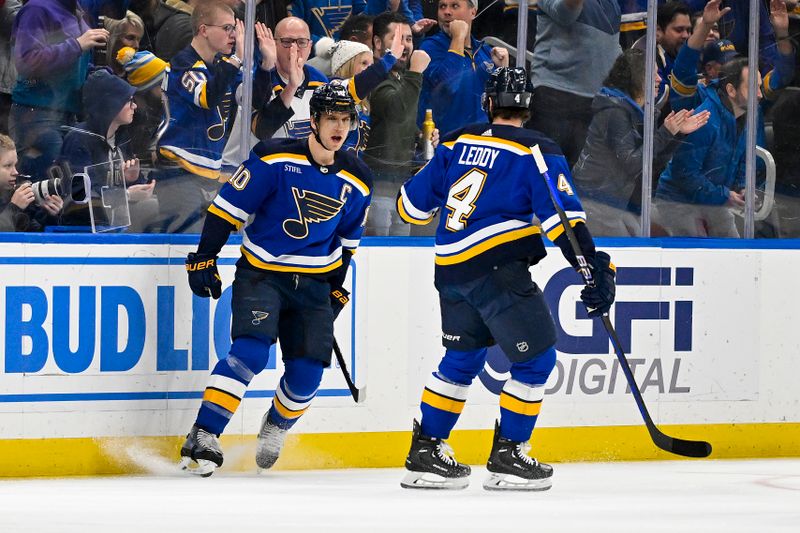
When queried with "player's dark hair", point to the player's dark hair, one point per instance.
{"points": [[667, 13], [380, 25], [627, 73], [355, 26], [511, 113]]}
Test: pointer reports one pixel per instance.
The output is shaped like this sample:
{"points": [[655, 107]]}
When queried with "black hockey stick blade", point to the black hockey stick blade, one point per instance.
{"points": [[359, 395], [686, 448]]}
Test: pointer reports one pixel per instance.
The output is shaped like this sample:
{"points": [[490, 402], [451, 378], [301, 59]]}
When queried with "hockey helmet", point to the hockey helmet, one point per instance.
{"points": [[508, 87], [333, 98]]}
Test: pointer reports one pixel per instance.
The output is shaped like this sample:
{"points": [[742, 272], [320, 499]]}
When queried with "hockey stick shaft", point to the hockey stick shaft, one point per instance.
{"points": [[670, 444], [354, 391]]}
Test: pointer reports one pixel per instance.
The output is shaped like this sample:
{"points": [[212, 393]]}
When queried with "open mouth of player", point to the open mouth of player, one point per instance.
{"points": [[337, 138]]}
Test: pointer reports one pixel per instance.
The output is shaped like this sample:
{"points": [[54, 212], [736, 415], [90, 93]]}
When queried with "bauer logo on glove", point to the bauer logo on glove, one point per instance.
{"points": [[339, 298], [599, 298], [204, 278]]}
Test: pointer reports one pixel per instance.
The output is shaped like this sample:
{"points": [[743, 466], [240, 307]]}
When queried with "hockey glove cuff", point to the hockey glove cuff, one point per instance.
{"points": [[204, 278], [339, 298], [598, 299]]}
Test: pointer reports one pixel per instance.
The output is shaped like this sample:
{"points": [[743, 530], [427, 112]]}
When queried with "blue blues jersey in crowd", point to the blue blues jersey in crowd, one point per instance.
{"points": [[198, 105], [325, 17], [485, 181], [297, 215]]}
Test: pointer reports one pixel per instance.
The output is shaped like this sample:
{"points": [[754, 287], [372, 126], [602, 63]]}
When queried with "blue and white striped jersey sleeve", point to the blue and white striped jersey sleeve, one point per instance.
{"points": [[244, 192], [558, 170], [421, 195]]}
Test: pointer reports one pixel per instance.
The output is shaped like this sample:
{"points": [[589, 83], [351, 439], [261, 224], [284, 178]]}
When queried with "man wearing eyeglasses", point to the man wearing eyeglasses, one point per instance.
{"points": [[198, 90], [286, 113], [171, 29]]}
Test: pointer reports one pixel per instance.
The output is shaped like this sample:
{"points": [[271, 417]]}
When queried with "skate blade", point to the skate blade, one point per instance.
{"points": [[261, 469], [203, 468], [511, 482], [265, 463], [427, 480]]}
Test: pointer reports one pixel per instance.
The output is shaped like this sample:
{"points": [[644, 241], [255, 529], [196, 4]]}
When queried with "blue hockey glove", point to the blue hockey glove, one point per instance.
{"points": [[598, 299], [339, 298], [204, 278]]}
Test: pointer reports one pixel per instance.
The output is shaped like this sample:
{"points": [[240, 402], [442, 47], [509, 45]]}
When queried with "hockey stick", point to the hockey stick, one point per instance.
{"points": [[687, 448], [359, 395]]}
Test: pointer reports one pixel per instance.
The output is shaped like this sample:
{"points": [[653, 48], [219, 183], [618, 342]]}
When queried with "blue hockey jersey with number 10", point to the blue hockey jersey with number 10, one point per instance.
{"points": [[297, 214], [485, 180]]}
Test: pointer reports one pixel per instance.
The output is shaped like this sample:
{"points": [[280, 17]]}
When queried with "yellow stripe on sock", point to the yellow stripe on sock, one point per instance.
{"points": [[285, 412], [223, 399], [441, 402], [518, 406]]}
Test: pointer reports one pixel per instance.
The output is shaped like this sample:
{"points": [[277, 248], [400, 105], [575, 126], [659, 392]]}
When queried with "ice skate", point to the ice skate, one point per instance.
{"points": [[511, 468], [269, 443], [202, 448], [431, 465]]}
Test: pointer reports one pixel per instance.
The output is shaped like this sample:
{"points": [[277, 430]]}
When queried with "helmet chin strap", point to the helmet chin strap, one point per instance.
{"points": [[316, 135]]}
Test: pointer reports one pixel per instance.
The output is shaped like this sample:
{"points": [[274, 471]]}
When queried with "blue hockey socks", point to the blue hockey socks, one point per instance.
{"points": [[228, 382], [297, 388], [445, 393], [521, 397]]}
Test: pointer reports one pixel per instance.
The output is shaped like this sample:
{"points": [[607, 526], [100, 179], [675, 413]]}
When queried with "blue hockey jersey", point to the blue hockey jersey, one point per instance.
{"points": [[325, 17], [297, 215], [198, 106], [485, 180]]}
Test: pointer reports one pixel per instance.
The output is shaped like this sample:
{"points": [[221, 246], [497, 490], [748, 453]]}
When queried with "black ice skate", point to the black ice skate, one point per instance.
{"points": [[203, 448], [269, 442], [511, 468], [431, 465]]}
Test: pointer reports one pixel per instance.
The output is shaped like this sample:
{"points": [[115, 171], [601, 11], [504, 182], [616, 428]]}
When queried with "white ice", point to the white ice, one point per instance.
{"points": [[674, 496]]}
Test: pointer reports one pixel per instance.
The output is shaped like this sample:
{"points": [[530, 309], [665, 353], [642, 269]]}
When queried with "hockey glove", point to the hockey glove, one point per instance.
{"points": [[339, 298], [598, 299], [204, 278]]}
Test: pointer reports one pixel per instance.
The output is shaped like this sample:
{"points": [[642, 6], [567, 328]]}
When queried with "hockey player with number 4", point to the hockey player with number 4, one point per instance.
{"points": [[484, 179], [303, 205]]}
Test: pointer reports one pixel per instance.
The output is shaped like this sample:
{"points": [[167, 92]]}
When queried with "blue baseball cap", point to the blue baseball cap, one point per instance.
{"points": [[720, 51]]}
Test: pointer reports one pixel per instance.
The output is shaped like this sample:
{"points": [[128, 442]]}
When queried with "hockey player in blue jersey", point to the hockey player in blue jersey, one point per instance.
{"points": [[302, 204], [484, 180]]}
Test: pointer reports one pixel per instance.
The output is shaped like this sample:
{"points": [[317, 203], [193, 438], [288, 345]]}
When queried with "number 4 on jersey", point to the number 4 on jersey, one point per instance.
{"points": [[462, 197], [564, 186]]}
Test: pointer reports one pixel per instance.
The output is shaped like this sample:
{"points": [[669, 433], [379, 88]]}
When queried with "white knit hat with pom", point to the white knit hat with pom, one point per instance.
{"points": [[344, 51]]}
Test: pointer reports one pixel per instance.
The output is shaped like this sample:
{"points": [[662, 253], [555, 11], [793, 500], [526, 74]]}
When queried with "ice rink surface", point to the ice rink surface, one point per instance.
{"points": [[675, 496]]}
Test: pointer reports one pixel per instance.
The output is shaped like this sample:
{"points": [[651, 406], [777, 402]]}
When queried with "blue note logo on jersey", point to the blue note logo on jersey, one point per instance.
{"points": [[311, 207]]}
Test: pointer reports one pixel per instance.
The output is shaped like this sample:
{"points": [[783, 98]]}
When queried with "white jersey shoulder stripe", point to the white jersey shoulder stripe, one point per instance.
{"points": [[494, 142], [354, 181], [284, 157]]}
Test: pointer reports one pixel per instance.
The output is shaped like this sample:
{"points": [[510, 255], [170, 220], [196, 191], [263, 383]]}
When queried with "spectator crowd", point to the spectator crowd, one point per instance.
{"points": [[141, 98]]}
